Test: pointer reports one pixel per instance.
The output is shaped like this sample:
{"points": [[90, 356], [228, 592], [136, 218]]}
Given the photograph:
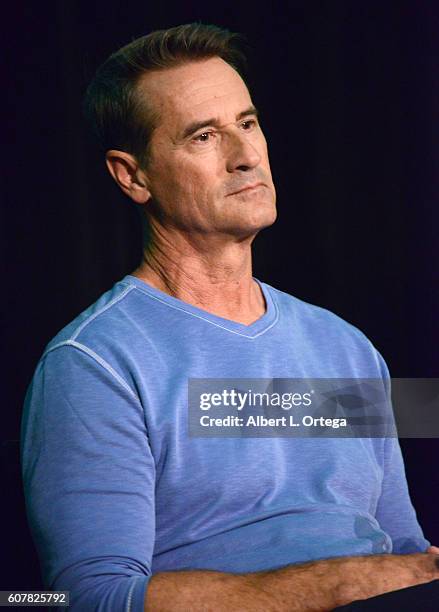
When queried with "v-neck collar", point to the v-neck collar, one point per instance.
{"points": [[258, 327]]}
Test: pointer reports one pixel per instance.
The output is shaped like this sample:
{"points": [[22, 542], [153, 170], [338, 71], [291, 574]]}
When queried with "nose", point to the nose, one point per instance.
{"points": [[241, 153]]}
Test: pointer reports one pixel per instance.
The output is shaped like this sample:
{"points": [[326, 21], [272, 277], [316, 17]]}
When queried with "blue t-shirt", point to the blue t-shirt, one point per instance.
{"points": [[116, 490]]}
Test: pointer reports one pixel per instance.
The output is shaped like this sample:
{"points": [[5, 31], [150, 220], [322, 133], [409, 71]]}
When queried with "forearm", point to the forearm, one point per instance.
{"points": [[311, 587], [324, 585]]}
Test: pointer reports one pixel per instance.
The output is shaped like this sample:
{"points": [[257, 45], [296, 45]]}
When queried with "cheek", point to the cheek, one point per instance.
{"points": [[199, 177], [185, 190], [176, 176], [168, 182]]}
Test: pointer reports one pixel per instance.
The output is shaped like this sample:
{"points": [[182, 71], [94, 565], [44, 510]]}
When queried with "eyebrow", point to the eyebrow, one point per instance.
{"points": [[193, 127]]}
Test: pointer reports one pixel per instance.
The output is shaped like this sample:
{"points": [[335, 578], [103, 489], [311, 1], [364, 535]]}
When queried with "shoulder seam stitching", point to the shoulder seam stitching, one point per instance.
{"points": [[98, 359], [103, 309]]}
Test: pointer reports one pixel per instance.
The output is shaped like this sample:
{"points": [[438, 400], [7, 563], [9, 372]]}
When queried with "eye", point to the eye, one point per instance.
{"points": [[204, 137], [249, 124]]}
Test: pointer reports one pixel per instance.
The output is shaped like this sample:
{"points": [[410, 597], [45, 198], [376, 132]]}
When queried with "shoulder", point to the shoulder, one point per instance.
{"points": [[313, 315], [100, 340], [313, 325], [107, 317], [103, 336]]}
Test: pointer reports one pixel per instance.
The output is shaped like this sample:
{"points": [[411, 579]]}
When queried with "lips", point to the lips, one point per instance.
{"points": [[247, 188]]}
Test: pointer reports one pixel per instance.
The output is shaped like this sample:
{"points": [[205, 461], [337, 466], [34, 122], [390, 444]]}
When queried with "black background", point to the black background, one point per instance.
{"points": [[349, 97]]}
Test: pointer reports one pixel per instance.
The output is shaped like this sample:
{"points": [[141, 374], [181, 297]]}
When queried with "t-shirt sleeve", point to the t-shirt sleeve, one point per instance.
{"points": [[89, 480], [395, 512]]}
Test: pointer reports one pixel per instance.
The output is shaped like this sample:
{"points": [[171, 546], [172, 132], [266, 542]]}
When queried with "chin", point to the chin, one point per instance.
{"points": [[269, 221], [269, 215], [249, 228]]}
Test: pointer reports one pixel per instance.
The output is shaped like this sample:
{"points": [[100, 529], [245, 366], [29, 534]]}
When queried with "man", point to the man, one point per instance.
{"points": [[130, 513]]}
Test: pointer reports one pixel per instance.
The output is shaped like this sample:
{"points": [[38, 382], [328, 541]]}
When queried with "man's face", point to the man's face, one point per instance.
{"points": [[206, 149]]}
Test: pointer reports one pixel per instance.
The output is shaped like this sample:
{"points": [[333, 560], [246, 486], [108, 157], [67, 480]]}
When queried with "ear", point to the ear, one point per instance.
{"points": [[127, 173]]}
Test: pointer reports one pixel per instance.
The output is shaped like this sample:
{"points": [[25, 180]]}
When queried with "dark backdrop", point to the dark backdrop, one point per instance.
{"points": [[348, 94]]}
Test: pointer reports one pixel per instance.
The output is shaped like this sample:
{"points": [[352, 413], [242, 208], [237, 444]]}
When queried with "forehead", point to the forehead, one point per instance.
{"points": [[189, 91]]}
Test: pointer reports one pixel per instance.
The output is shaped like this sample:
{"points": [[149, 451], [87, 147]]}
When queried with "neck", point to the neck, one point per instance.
{"points": [[213, 275]]}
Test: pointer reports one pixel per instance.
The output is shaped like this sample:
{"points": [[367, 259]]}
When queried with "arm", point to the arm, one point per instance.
{"points": [[395, 512], [320, 585], [89, 480], [311, 587]]}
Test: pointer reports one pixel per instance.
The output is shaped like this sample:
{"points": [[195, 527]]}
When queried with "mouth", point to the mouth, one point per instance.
{"points": [[247, 188]]}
